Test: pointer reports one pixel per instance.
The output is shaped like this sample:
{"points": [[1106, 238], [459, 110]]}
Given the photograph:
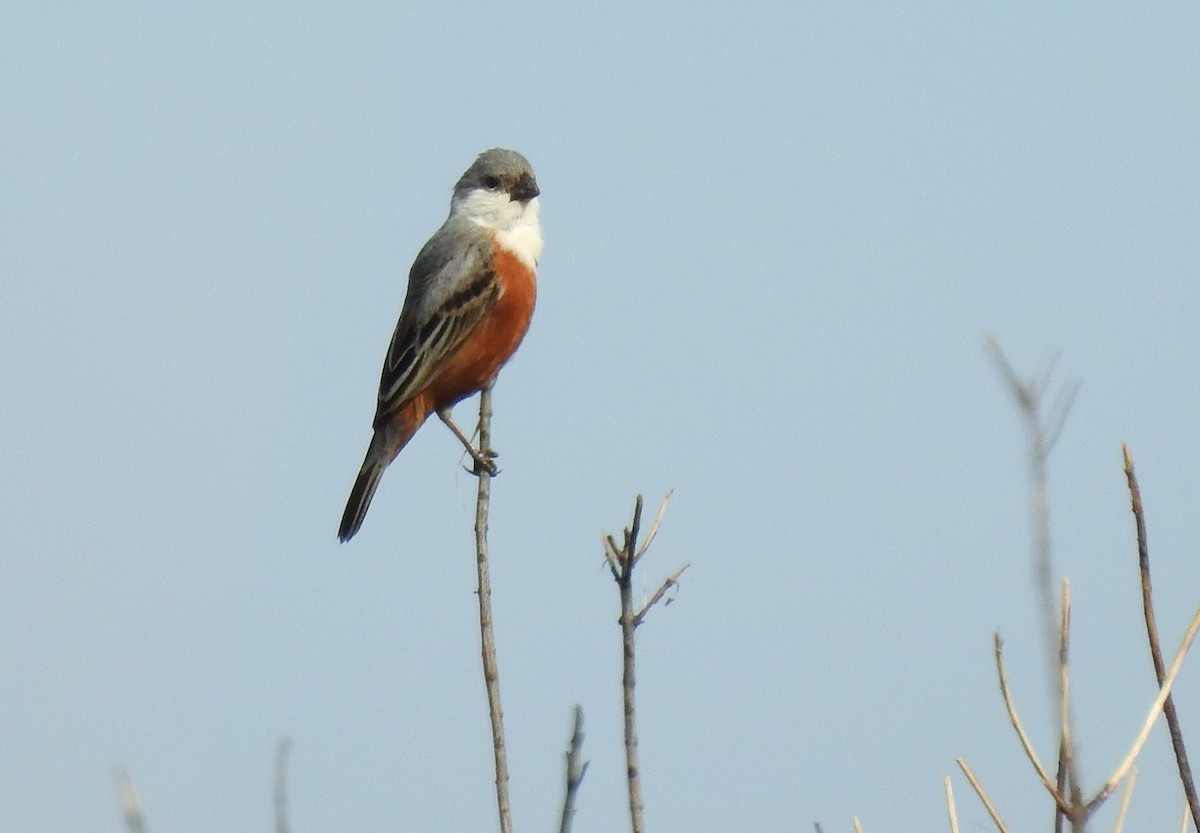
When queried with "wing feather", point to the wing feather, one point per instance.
{"points": [[433, 324]]}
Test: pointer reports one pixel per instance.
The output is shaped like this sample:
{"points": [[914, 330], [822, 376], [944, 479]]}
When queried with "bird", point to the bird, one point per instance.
{"points": [[471, 295]]}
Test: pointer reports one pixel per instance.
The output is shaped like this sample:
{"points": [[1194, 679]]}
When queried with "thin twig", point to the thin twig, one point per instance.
{"points": [[1148, 724], [1125, 797], [1058, 418], [281, 791], [1066, 747], [1015, 719], [612, 555], [574, 771], [857, 825], [983, 796], [1018, 388], [1181, 758], [950, 808], [671, 581], [131, 804], [654, 527], [1060, 786], [631, 535], [491, 670]]}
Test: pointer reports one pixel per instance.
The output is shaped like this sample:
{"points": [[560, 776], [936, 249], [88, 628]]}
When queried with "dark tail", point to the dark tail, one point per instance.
{"points": [[385, 445], [360, 496]]}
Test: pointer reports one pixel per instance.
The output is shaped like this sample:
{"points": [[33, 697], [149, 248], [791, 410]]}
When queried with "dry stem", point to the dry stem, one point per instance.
{"points": [[1156, 707], [1041, 433], [574, 772], [983, 796], [1068, 769], [950, 808], [628, 676], [491, 670], [1015, 719], [1181, 758], [1040, 438], [1125, 798], [621, 562]]}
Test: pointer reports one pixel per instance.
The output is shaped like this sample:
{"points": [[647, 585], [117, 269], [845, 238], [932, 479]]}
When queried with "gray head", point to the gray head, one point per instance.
{"points": [[501, 171]]}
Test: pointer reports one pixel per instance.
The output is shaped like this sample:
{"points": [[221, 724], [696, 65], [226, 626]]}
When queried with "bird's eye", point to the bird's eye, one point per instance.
{"points": [[491, 182]]}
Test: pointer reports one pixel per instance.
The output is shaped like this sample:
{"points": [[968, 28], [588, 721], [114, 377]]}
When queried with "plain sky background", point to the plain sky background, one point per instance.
{"points": [[776, 235]]}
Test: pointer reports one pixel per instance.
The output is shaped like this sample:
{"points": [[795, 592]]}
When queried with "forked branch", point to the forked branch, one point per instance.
{"points": [[621, 561], [1015, 719], [1076, 810], [1043, 425]]}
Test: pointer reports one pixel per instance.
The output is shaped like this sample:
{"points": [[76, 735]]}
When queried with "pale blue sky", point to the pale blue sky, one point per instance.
{"points": [[775, 234]]}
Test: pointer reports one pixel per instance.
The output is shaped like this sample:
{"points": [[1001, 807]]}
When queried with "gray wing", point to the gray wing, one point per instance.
{"points": [[450, 290]]}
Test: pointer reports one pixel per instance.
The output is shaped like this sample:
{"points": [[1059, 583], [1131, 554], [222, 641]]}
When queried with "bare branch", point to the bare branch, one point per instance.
{"points": [[633, 775], [950, 808], [625, 559], [670, 582], [1008, 374], [1064, 671], [281, 778], [1069, 769], [491, 670], [658, 519], [1156, 707], [1125, 797], [1058, 417], [631, 536], [983, 796], [1060, 786], [612, 555], [1040, 435], [857, 825], [574, 772], [624, 578], [1015, 719], [1176, 732], [131, 804]]}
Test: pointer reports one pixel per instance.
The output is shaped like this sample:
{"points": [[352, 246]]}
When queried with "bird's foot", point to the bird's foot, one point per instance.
{"points": [[483, 461]]}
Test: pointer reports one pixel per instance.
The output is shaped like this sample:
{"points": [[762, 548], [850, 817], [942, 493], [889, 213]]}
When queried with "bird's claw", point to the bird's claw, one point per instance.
{"points": [[483, 461]]}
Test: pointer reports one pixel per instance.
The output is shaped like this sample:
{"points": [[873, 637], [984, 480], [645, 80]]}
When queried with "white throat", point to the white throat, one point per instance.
{"points": [[515, 223]]}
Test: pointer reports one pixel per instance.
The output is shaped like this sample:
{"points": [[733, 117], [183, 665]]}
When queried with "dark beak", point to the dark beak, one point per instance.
{"points": [[525, 189]]}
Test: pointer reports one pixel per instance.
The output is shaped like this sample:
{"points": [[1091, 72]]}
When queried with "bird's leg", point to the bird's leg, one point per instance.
{"points": [[484, 460]]}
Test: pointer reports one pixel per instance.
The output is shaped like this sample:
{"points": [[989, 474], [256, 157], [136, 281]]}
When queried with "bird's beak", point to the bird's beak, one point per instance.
{"points": [[525, 189]]}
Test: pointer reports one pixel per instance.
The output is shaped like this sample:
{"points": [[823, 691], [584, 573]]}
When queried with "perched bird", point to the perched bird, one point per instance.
{"points": [[471, 293]]}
